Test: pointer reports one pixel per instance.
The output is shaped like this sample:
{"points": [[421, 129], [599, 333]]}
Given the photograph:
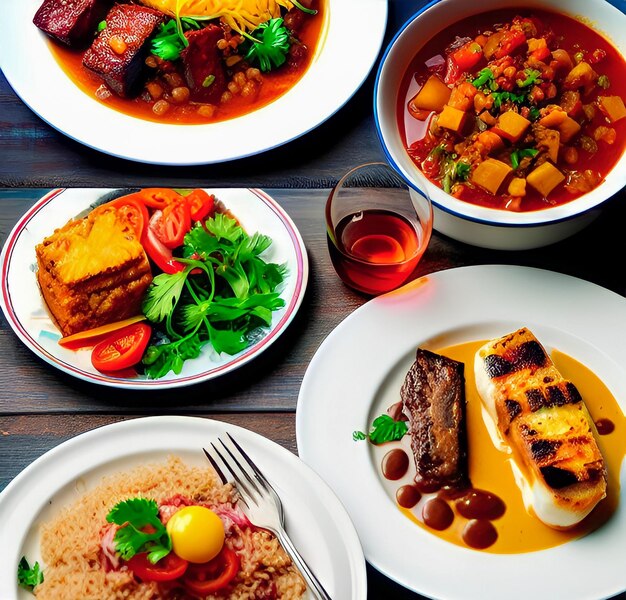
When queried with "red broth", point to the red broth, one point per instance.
{"points": [[275, 83], [570, 35]]}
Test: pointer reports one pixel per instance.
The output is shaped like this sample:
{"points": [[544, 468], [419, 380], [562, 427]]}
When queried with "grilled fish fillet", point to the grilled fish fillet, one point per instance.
{"points": [[542, 418]]}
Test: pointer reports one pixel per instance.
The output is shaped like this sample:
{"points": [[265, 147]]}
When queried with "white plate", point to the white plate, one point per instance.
{"points": [[349, 46], [362, 363], [27, 314], [58, 478]]}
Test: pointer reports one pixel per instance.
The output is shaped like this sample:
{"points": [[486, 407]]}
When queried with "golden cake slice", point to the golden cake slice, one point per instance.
{"points": [[542, 418], [93, 271]]}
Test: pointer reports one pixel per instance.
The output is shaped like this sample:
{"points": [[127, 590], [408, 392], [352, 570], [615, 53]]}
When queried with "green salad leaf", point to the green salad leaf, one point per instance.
{"points": [[29, 577], [384, 429], [269, 45], [170, 40], [133, 516]]}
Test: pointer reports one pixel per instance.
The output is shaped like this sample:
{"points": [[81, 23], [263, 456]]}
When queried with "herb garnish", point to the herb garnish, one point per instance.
{"points": [[500, 97], [384, 429], [517, 155], [29, 577], [168, 42], [133, 516], [269, 44], [486, 80]]}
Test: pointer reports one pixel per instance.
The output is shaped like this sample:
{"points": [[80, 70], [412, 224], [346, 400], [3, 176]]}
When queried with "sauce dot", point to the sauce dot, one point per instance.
{"points": [[437, 514], [408, 496], [427, 487], [605, 426], [395, 464], [479, 534], [479, 504]]}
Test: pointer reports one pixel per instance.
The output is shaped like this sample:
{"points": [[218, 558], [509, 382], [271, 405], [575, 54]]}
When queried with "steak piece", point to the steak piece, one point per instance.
{"points": [[117, 55], [433, 398], [72, 22], [203, 67]]}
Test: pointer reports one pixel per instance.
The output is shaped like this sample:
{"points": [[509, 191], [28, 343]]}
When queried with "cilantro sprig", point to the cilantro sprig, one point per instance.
{"points": [[170, 41], [134, 516], [384, 429], [269, 45], [232, 294], [29, 577], [517, 155]]}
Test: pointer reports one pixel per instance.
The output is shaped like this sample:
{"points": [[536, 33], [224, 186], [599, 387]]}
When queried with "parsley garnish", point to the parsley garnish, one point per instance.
{"points": [[169, 41], [269, 44], [517, 155], [532, 77], [500, 97], [101, 26], [133, 516], [234, 294], [29, 577], [461, 171], [485, 79], [384, 429]]}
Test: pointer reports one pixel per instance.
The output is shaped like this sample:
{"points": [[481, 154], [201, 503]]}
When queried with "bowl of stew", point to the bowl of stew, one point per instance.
{"points": [[511, 119]]}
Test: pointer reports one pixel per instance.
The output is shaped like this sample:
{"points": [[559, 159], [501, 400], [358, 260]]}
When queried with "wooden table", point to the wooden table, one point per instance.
{"points": [[41, 407]]}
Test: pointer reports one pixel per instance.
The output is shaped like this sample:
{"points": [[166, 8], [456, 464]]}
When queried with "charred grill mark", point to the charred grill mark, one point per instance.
{"points": [[544, 449], [558, 478], [536, 399], [573, 393], [555, 395], [497, 366], [548, 379], [528, 355], [513, 408]]}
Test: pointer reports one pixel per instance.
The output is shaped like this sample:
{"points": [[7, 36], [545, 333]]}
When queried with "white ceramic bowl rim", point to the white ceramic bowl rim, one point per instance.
{"points": [[480, 214]]}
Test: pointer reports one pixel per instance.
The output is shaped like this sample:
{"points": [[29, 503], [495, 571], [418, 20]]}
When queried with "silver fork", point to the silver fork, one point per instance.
{"points": [[260, 503]]}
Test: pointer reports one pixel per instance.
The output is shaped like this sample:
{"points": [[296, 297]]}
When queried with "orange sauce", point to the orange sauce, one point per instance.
{"points": [[275, 83], [489, 469]]}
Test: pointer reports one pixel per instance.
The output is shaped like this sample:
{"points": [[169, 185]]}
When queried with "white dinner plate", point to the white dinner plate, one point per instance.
{"points": [[26, 311], [359, 369], [349, 45], [331, 547]]}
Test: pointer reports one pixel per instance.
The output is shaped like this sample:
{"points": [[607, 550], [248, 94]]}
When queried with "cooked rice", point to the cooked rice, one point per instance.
{"points": [[70, 544]]}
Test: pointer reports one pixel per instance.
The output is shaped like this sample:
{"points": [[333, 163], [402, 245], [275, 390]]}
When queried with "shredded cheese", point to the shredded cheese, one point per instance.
{"points": [[241, 15]]}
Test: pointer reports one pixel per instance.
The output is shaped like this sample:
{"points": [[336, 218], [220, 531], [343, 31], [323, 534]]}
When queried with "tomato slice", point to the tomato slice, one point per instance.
{"points": [[173, 224], [157, 197], [214, 575], [122, 349], [200, 204], [160, 254], [134, 210], [167, 569]]}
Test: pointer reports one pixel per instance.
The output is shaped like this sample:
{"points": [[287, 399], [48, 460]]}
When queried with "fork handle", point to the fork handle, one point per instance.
{"points": [[311, 580]]}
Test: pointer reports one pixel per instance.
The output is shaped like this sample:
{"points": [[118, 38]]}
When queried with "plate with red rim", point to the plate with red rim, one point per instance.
{"points": [[357, 372], [39, 80], [58, 478], [27, 314]]}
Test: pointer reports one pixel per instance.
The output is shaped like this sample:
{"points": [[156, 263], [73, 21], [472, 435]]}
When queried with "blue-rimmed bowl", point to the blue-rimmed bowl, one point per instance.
{"points": [[478, 225]]}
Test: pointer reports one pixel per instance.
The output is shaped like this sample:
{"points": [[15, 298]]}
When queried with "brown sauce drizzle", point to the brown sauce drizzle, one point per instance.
{"points": [[480, 504], [605, 426], [437, 514], [479, 534], [395, 464], [408, 496]]}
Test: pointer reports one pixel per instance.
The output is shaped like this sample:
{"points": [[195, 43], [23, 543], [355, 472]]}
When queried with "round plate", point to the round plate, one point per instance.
{"points": [[365, 359], [58, 478], [354, 29], [26, 311]]}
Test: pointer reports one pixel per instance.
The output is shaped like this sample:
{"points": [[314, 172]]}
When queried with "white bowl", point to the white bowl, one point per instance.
{"points": [[478, 225]]}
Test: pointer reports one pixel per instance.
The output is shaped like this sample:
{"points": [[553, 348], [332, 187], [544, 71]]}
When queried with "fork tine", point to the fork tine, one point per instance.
{"points": [[261, 478], [244, 471], [241, 485], [215, 466]]}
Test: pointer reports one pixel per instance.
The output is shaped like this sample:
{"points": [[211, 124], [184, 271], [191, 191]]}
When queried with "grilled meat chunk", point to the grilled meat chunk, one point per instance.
{"points": [[93, 271], [117, 55], [433, 397], [543, 419], [203, 66], [72, 22]]}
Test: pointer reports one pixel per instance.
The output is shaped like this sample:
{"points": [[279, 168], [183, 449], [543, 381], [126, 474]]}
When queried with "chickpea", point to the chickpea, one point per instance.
{"points": [[206, 110], [151, 62], [118, 45], [509, 72], [249, 89], [222, 44], [174, 79], [253, 74], [536, 94], [231, 61], [550, 91], [180, 94], [233, 88], [226, 97], [160, 107], [154, 89], [480, 100], [239, 79]]}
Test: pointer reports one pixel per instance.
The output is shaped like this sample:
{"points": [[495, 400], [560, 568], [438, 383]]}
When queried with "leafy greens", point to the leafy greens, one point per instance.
{"points": [[29, 577], [269, 45], [168, 43], [384, 429]]}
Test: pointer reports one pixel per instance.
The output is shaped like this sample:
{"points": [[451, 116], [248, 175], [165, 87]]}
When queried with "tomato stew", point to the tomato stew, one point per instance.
{"points": [[515, 109]]}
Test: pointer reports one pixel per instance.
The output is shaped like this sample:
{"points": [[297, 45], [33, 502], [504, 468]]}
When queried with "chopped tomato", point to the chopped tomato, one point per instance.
{"points": [[212, 576], [541, 53], [158, 197], [122, 349], [158, 252], [134, 210], [468, 56], [200, 204], [167, 569], [509, 42], [173, 224]]}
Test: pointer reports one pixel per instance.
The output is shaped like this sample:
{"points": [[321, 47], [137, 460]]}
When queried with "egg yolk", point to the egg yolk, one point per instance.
{"points": [[197, 534]]}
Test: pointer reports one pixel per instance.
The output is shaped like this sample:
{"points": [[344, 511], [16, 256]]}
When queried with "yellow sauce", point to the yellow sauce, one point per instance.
{"points": [[489, 469]]}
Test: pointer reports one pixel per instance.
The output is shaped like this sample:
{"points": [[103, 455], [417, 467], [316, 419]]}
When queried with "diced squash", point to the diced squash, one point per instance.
{"points": [[545, 178], [613, 107], [491, 141], [511, 125], [581, 75], [517, 187], [554, 118], [490, 174], [568, 129], [451, 118], [433, 96]]}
